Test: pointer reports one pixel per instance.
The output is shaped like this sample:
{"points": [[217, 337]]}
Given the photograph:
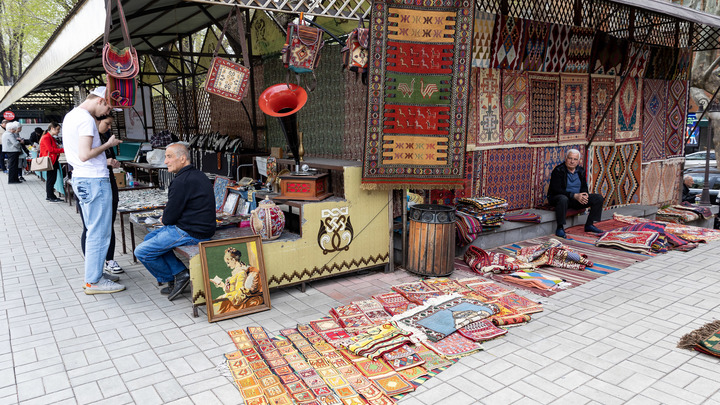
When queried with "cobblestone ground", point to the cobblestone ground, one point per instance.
{"points": [[609, 341]]}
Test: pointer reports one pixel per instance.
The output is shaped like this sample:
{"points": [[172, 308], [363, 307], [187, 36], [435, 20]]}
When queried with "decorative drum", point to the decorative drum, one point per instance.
{"points": [[267, 220], [431, 250]]}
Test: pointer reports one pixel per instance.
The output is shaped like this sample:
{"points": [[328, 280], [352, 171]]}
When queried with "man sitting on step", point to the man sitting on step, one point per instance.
{"points": [[568, 188]]}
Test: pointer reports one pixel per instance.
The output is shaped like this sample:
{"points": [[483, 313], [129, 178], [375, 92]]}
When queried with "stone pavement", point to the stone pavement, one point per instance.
{"points": [[609, 341]]}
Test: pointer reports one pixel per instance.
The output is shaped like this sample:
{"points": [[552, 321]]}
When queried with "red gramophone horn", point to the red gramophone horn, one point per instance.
{"points": [[284, 101]]}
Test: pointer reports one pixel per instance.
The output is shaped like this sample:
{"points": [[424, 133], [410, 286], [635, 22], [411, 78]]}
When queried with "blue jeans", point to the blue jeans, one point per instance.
{"points": [[95, 196], [156, 252]]}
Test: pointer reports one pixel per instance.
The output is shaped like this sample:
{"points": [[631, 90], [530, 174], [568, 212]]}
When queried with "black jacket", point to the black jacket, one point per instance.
{"points": [[687, 195], [191, 203], [558, 181]]}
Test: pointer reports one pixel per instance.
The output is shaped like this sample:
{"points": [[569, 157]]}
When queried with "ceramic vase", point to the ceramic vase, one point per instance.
{"points": [[267, 220]]}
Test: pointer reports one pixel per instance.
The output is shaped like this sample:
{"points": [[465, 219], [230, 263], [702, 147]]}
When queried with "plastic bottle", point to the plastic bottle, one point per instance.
{"points": [[130, 181]]}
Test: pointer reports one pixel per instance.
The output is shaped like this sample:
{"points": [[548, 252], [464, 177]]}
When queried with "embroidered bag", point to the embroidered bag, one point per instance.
{"points": [[225, 78], [121, 63], [120, 93], [301, 52], [355, 52]]}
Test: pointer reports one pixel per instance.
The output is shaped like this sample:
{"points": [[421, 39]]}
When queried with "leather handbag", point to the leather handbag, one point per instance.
{"points": [[121, 63], [225, 78], [41, 164]]}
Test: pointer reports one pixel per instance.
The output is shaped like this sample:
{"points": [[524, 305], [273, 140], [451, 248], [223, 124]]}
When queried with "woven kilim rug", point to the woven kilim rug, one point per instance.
{"points": [[608, 54], [615, 172], [507, 42], [482, 39], [514, 107], [705, 339], [543, 106], [487, 99], [653, 123], [547, 158], [557, 48], [661, 63], [629, 115], [682, 69], [670, 184], [417, 104], [602, 88], [535, 37], [573, 107], [651, 178], [505, 174], [676, 112], [637, 69], [579, 50]]}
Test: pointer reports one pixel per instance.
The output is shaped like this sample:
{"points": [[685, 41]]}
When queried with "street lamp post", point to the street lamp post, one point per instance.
{"points": [[705, 196]]}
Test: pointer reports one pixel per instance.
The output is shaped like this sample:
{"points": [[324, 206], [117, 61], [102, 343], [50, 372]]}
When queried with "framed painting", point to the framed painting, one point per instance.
{"points": [[234, 276], [231, 203], [220, 191]]}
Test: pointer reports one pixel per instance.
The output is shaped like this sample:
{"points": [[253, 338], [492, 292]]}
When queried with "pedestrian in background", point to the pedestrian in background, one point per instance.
{"points": [[49, 147]]}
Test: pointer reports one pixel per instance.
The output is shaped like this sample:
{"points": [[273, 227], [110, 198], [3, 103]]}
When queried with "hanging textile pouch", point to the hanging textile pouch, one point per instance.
{"points": [[355, 52], [121, 92], [121, 63], [225, 78], [301, 52]]}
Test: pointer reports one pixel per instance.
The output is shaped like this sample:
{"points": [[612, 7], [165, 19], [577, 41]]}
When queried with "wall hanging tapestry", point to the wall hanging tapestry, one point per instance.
{"points": [[505, 174], [629, 118], [417, 106], [543, 106], [608, 54], [573, 107], [682, 68], [670, 184], [482, 39], [546, 159], [579, 50], [487, 99], [676, 112], [637, 69], [602, 89], [615, 172], [653, 123], [557, 47], [507, 42], [535, 37], [661, 62], [514, 107], [651, 178]]}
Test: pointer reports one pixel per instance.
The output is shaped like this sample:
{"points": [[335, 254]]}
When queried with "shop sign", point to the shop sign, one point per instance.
{"points": [[9, 115]]}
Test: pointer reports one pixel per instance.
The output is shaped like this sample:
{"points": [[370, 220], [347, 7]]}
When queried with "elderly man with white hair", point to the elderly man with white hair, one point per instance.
{"points": [[687, 196], [12, 149], [568, 188]]}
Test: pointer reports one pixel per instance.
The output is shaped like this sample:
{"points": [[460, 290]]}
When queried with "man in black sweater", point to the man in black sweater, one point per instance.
{"points": [[568, 188], [189, 218]]}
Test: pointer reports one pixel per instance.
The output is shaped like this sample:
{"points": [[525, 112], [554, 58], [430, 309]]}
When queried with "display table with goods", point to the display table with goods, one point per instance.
{"points": [[132, 201]]}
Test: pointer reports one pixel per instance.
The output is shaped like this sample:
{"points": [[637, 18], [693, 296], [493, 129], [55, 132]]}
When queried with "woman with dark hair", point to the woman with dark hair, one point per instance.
{"points": [[49, 147], [36, 136]]}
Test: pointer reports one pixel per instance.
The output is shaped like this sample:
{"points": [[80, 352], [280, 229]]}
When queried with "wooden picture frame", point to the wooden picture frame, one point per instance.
{"points": [[231, 203], [234, 275], [220, 191]]}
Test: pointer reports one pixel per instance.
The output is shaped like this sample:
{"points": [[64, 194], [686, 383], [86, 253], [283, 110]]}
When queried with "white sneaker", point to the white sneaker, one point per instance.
{"points": [[112, 267], [103, 286], [107, 276]]}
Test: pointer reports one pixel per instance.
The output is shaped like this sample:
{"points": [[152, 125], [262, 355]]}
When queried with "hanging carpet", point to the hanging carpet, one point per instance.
{"points": [[505, 173], [579, 50], [629, 115], [507, 42], [615, 173], [602, 89], [653, 123], [417, 104], [676, 113], [482, 39], [573, 108], [557, 47], [651, 178], [535, 37], [515, 107], [637, 69], [543, 106], [608, 54], [487, 100]]}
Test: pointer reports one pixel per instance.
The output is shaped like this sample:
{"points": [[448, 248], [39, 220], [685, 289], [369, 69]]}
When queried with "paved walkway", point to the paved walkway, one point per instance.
{"points": [[609, 341]]}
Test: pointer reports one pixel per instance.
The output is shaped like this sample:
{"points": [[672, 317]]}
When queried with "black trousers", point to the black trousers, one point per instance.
{"points": [[50, 181], [12, 167], [115, 199], [561, 203]]}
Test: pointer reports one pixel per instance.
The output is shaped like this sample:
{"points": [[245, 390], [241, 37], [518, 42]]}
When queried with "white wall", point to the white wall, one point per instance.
{"points": [[134, 117]]}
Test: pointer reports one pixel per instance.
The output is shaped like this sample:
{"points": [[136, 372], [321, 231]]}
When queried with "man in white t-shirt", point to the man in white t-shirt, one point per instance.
{"points": [[91, 184]]}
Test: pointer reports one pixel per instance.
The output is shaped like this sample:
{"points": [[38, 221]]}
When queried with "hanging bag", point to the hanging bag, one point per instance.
{"points": [[121, 63], [355, 52], [301, 52], [225, 78]]}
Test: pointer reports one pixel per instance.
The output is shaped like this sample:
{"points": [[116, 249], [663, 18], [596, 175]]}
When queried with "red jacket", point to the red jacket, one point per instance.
{"points": [[49, 147]]}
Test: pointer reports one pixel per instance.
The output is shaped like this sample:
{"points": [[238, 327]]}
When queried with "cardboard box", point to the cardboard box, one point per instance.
{"points": [[120, 178]]}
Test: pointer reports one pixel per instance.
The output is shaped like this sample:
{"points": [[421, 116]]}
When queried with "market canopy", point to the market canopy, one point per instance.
{"points": [[72, 54]]}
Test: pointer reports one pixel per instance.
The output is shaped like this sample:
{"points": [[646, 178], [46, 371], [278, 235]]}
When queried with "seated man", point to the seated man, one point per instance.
{"points": [[189, 218], [568, 188], [687, 196]]}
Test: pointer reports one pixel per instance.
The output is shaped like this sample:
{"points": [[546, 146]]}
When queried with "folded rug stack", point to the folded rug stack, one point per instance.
{"points": [[478, 215]]}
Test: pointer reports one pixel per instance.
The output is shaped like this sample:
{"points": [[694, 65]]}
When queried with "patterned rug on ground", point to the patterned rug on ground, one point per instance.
{"points": [[417, 105]]}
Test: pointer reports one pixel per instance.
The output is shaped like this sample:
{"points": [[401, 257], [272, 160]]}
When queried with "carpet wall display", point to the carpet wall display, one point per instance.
{"points": [[676, 113], [629, 115], [670, 184], [515, 107], [682, 68], [557, 48], [487, 100], [637, 65], [507, 50], [417, 104], [543, 108], [579, 50], [615, 172], [608, 54], [573, 107], [547, 158], [661, 63], [653, 123], [602, 89], [651, 178], [482, 39], [505, 173], [533, 44]]}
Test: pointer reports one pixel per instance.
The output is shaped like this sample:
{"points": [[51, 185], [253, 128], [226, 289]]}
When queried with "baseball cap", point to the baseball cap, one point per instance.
{"points": [[99, 91]]}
